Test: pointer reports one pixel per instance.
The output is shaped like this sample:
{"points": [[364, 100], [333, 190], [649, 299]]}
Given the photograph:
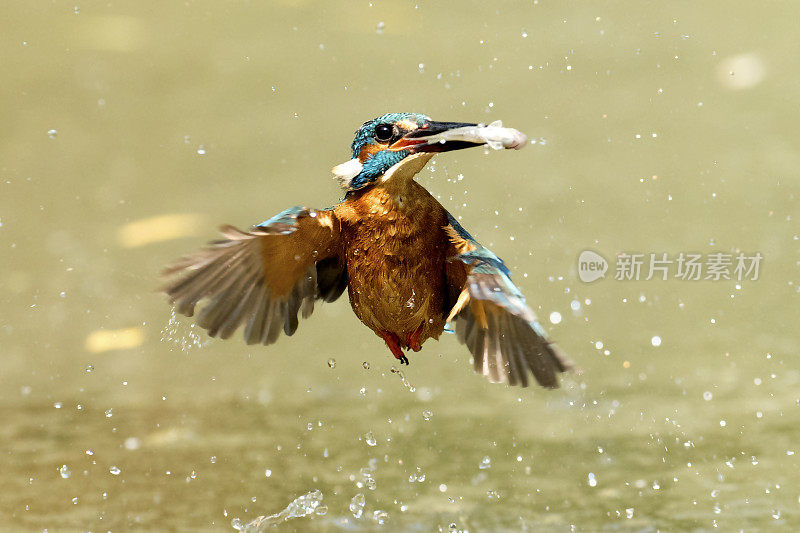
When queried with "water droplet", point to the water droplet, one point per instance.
{"points": [[427, 414], [421, 67], [365, 365], [707, 396], [267, 472], [486, 462], [410, 301], [64, 471], [109, 412], [555, 317], [380, 27], [89, 368], [115, 471], [592, 480], [75, 500], [370, 439], [201, 150], [418, 476], [380, 516], [52, 133], [332, 363], [213, 459], [357, 505], [656, 340]]}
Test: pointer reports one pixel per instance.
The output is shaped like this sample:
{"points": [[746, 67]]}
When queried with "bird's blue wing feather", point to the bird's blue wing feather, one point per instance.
{"points": [[492, 318]]}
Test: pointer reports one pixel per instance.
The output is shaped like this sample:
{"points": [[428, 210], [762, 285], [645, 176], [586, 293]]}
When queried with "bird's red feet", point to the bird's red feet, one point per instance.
{"points": [[413, 339], [393, 342]]}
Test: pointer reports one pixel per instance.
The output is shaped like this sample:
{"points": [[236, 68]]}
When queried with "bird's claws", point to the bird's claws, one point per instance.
{"points": [[393, 342], [413, 339]]}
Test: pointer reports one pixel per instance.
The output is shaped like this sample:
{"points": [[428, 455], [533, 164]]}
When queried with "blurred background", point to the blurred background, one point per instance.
{"points": [[132, 131]]}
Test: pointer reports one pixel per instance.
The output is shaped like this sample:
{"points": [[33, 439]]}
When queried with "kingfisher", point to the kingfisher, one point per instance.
{"points": [[410, 269]]}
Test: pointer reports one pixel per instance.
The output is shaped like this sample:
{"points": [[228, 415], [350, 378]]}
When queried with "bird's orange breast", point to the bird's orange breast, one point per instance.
{"points": [[395, 251]]}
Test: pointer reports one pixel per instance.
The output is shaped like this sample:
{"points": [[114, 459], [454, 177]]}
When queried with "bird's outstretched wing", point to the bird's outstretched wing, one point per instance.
{"points": [[492, 319], [261, 278]]}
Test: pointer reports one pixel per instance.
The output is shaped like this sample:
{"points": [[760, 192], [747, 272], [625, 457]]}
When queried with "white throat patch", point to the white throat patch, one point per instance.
{"points": [[408, 167], [347, 171]]}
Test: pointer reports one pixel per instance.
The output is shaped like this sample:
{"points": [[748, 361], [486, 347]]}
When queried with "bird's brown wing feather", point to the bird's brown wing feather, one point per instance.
{"points": [[491, 317], [261, 278]]}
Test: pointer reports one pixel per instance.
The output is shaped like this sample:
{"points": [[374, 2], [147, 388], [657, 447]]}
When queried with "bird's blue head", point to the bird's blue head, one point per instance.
{"points": [[385, 141]]}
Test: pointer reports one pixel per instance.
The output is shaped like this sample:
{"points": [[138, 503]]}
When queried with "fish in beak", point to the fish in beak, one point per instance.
{"points": [[447, 136]]}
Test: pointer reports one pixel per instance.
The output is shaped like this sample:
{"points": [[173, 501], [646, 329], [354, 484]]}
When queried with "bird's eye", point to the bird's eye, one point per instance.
{"points": [[383, 132]]}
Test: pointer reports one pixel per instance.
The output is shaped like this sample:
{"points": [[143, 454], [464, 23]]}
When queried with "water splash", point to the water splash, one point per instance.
{"points": [[302, 506], [407, 385], [175, 332], [417, 477]]}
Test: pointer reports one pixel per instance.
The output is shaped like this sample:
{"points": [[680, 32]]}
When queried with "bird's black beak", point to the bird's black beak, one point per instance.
{"points": [[432, 137]]}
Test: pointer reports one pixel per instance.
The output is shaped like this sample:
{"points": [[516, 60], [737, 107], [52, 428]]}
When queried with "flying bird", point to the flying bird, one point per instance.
{"points": [[410, 269]]}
